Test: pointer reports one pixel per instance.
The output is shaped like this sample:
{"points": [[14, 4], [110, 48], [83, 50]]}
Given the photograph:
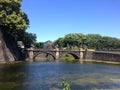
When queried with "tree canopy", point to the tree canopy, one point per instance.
{"points": [[13, 23], [12, 19], [27, 38], [91, 41]]}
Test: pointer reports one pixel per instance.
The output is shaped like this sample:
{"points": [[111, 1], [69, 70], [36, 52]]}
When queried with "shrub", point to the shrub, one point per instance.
{"points": [[67, 58], [65, 85]]}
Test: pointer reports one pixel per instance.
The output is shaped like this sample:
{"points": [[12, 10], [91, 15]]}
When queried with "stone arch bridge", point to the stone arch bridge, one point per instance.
{"points": [[89, 54], [55, 53]]}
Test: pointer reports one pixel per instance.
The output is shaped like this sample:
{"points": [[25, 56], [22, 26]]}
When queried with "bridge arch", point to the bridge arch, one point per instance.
{"points": [[73, 54], [47, 53], [56, 54], [35, 55]]}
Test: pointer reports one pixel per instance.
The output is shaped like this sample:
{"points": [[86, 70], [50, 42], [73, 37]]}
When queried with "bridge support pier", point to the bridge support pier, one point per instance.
{"points": [[30, 54], [81, 55], [57, 54]]}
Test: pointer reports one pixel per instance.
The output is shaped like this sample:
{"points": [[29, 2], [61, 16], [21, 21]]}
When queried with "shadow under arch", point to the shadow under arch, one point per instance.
{"points": [[47, 53], [74, 55]]}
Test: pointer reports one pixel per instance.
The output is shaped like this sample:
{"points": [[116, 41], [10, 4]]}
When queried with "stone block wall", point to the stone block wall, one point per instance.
{"points": [[106, 56], [88, 55]]}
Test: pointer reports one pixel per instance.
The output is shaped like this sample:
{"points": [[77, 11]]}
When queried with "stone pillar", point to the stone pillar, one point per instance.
{"points": [[30, 54], [81, 53], [57, 54]]}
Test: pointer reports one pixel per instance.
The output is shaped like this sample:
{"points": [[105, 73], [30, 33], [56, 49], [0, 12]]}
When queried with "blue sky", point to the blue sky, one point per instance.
{"points": [[51, 19]]}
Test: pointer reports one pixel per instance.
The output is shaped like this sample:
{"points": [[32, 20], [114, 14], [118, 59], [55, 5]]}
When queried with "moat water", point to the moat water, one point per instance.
{"points": [[48, 76]]}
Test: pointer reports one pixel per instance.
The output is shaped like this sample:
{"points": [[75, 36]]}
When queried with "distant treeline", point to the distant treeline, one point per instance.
{"points": [[88, 41]]}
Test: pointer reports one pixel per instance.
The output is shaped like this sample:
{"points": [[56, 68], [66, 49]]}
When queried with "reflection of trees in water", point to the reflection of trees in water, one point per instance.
{"points": [[48, 45], [12, 76]]}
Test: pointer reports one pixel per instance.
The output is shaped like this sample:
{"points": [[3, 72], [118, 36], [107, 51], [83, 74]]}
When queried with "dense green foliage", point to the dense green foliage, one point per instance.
{"points": [[14, 22], [27, 38], [12, 19], [65, 85], [48, 45], [90, 41], [67, 58], [39, 44]]}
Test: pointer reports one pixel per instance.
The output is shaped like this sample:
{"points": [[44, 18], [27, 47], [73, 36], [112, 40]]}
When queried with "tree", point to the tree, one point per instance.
{"points": [[27, 38], [71, 40], [91, 41], [59, 43], [39, 44], [13, 22], [48, 45], [12, 18]]}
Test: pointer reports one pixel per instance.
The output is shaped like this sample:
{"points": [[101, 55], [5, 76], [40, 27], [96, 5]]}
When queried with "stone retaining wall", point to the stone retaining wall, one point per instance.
{"points": [[106, 56]]}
